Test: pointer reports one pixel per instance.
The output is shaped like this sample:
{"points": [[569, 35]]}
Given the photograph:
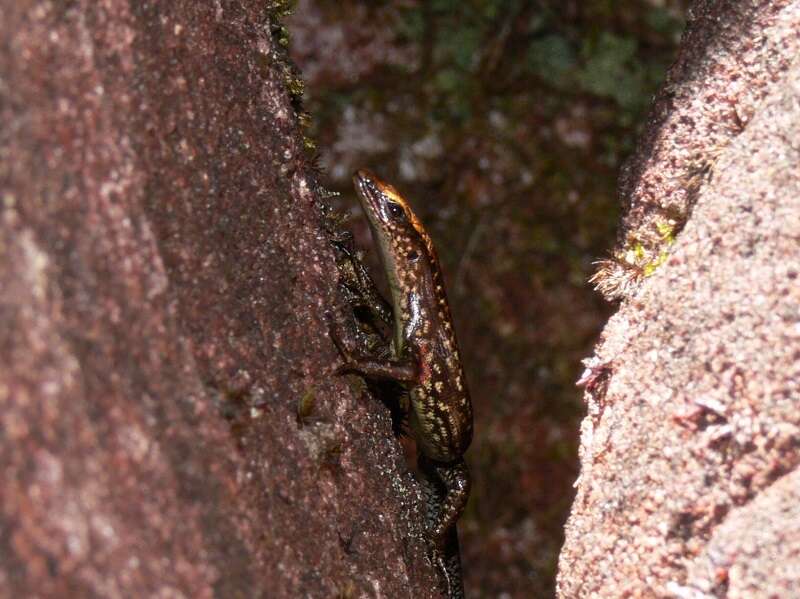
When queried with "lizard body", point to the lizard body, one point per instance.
{"points": [[423, 358]]}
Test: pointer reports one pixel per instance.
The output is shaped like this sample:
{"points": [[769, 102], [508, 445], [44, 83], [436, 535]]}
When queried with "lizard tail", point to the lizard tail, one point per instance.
{"points": [[451, 566]]}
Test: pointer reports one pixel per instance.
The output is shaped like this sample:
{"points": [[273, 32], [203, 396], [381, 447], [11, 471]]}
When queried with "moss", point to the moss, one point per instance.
{"points": [[278, 9], [305, 406], [294, 83], [667, 231], [639, 258], [651, 267]]}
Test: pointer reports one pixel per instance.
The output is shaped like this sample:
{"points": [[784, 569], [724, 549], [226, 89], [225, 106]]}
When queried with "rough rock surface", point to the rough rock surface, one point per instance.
{"points": [[689, 453], [168, 422]]}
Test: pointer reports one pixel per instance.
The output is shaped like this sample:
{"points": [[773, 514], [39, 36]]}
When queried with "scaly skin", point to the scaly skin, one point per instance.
{"points": [[423, 357]]}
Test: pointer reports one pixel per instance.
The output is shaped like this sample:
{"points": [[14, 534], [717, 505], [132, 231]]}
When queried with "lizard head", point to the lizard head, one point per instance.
{"points": [[405, 249], [397, 229]]}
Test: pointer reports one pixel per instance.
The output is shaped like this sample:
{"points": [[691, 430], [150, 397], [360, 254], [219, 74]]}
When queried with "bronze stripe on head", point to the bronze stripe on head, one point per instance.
{"points": [[366, 180]]}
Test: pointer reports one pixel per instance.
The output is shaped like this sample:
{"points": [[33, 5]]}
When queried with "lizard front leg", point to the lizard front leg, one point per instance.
{"points": [[372, 367], [360, 288]]}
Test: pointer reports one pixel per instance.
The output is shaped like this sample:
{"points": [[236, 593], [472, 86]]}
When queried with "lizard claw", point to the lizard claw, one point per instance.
{"points": [[333, 332], [335, 335]]}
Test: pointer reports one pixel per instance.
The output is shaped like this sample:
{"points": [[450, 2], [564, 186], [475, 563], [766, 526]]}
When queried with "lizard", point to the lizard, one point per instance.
{"points": [[423, 358]]}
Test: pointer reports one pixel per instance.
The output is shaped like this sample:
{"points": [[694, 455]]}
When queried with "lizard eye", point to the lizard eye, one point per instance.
{"points": [[413, 255], [395, 209]]}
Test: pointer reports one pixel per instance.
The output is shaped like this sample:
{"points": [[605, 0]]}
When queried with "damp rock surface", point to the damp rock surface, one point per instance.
{"points": [[164, 275]]}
